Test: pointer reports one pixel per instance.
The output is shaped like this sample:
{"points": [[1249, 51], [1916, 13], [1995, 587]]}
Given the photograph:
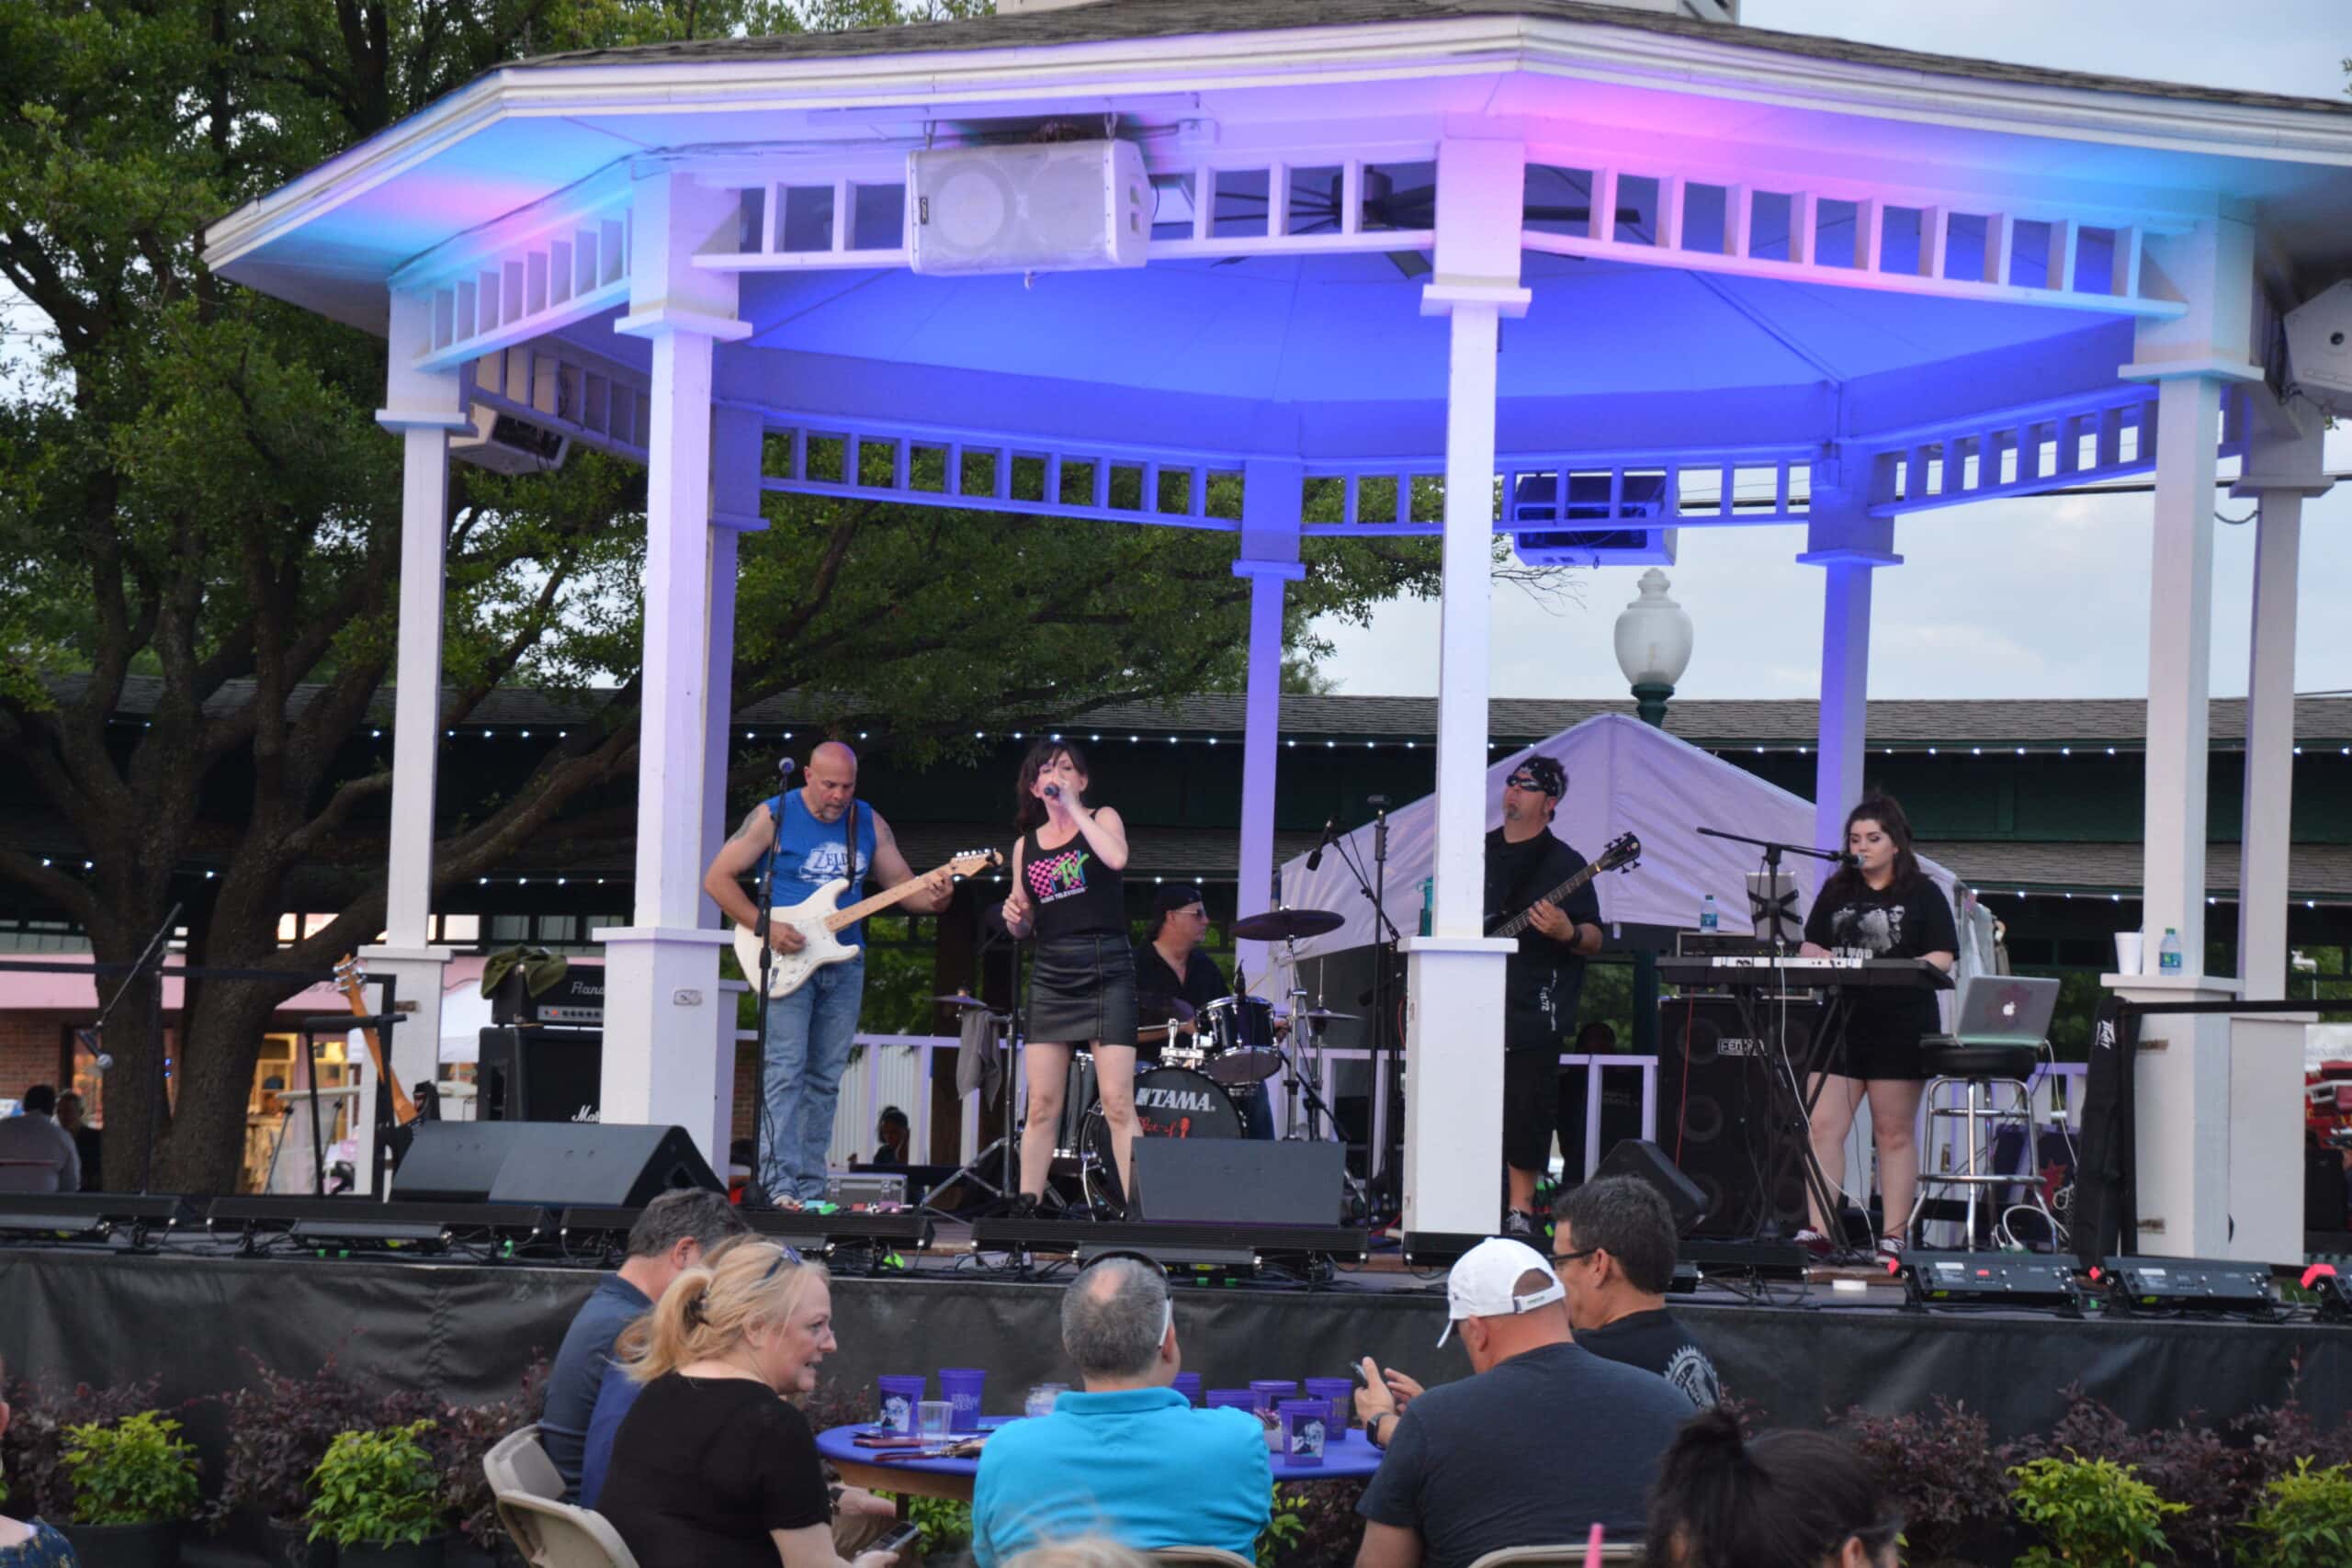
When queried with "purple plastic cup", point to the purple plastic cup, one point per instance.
{"points": [[1231, 1399], [1269, 1391], [1306, 1426], [1189, 1385], [961, 1387], [1340, 1393], [896, 1402]]}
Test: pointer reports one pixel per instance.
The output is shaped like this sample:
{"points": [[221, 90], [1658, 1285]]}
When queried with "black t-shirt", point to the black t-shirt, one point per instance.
{"points": [[1542, 980], [1906, 920], [1157, 984], [1655, 1341], [1074, 892], [704, 1467], [1526, 1453]]}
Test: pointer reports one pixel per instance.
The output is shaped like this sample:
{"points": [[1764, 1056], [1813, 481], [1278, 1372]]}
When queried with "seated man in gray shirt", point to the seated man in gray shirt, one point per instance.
{"points": [[1541, 1442]]}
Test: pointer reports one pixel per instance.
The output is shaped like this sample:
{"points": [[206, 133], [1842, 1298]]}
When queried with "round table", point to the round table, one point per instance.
{"points": [[1346, 1457]]}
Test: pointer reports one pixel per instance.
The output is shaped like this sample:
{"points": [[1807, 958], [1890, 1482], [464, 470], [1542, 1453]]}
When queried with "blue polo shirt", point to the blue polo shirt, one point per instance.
{"points": [[1139, 1465]]}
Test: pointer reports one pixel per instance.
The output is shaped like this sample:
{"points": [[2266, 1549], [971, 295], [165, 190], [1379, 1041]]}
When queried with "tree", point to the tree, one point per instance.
{"points": [[193, 492]]}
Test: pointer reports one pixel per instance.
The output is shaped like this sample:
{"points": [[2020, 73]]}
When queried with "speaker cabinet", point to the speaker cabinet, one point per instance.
{"points": [[539, 1073], [557, 1164], [1239, 1182], [1715, 1106]]}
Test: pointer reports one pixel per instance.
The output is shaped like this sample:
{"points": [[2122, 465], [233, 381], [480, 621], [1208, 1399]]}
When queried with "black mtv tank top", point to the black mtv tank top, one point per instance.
{"points": [[1074, 893]]}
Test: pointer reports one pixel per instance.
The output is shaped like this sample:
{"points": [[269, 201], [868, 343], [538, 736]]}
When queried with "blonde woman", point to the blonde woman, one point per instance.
{"points": [[713, 1468]]}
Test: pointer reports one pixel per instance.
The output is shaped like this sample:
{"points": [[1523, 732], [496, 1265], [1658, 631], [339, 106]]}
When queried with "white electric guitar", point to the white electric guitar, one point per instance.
{"points": [[817, 919]]}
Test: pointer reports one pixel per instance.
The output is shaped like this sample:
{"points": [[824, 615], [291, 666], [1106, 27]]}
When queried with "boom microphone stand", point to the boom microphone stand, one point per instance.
{"points": [[160, 1083], [1384, 1046]]}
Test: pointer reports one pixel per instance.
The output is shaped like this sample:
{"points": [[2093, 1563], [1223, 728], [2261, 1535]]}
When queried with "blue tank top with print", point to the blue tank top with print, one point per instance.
{"points": [[810, 853]]}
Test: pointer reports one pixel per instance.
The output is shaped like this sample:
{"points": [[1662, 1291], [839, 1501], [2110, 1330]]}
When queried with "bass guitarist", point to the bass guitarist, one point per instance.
{"points": [[816, 833], [1542, 978]]}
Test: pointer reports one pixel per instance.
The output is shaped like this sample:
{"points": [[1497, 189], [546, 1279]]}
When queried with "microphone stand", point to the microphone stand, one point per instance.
{"points": [[154, 951], [763, 1131], [1773, 850], [1384, 939]]}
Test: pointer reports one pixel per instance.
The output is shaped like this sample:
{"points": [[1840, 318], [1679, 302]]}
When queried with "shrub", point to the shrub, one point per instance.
{"points": [[1939, 1469], [1328, 1528], [137, 1470], [2304, 1520], [946, 1524], [460, 1439], [2093, 1512], [378, 1487], [33, 1453], [279, 1429]]}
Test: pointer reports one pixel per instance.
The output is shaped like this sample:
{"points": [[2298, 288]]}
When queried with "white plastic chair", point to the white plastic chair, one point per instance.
{"points": [[519, 1466], [557, 1535], [1558, 1556]]}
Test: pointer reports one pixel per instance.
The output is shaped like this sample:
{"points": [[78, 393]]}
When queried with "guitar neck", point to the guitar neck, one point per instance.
{"points": [[403, 1108], [841, 919], [1519, 921]]}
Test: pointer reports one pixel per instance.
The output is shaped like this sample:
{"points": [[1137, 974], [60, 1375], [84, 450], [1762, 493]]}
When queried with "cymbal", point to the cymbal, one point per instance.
{"points": [[1287, 925], [960, 999], [1181, 1011], [1325, 1015]]}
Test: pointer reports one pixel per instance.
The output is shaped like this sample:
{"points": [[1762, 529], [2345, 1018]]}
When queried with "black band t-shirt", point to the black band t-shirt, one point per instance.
{"points": [[1075, 894], [704, 1467], [1542, 980], [1909, 919], [1655, 1341]]}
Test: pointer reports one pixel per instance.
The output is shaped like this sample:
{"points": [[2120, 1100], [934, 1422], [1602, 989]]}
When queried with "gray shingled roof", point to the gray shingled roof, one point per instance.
{"points": [[2039, 723], [1109, 20]]}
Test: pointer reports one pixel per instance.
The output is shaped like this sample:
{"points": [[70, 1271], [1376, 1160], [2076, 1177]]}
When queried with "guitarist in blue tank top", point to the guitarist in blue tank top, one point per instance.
{"points": [[809, 831]]}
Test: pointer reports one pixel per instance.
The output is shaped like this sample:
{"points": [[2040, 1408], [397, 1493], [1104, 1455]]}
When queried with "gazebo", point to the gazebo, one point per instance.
{"points": [[1601, 278]]}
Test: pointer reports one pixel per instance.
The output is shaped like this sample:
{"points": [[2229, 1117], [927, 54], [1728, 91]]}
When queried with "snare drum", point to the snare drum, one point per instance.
{"points": [[1238, 1034]]}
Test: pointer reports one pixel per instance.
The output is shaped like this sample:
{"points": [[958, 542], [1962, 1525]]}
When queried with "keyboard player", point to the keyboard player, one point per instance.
{"points": [[1882, 905]]}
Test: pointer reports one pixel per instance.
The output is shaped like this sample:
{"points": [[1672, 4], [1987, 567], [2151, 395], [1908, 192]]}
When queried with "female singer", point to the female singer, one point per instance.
{"points": [[1884, 906], [1067, 887]]}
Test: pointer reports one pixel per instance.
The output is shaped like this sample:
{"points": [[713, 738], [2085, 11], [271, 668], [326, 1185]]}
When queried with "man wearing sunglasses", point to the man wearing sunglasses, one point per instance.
{"points": [[1542, 979]]}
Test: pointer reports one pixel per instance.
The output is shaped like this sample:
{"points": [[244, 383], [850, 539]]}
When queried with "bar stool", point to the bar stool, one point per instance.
{"points": [[1978, 1089]]}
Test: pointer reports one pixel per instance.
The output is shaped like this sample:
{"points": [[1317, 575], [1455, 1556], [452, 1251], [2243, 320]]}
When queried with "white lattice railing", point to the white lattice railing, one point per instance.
{"points": [[528, 287], [561, 387], [2045, 449]]}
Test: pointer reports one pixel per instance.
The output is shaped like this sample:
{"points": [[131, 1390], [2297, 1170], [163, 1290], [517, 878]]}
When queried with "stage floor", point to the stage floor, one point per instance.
{"points": [[465, 1330]]}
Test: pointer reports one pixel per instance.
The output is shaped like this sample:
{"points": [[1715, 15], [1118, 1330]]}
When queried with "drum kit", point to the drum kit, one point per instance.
{"points": [[1211, 1060]]}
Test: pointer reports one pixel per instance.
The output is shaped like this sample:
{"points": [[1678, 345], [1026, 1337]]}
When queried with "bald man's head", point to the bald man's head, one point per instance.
{"points": [[833, 780]]}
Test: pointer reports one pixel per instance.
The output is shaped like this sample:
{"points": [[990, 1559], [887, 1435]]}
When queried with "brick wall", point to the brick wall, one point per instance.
{"points": [[32, 1050]]}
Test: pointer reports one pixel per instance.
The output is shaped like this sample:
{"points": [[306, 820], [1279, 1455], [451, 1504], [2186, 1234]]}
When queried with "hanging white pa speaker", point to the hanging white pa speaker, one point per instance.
{"points": [[1054, 207]]}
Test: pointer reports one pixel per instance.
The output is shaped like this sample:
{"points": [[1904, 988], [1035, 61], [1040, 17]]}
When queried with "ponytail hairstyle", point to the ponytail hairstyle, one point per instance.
{"points": [[1887, 812], [707, 1309], [1789, 1499], [1028, 811]]}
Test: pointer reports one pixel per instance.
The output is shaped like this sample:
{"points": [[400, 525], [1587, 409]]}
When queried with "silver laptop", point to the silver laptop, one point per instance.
{"points": [[2005, 1010]]}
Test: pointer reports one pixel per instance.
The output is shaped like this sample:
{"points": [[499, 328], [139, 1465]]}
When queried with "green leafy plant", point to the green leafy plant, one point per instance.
{"points": [[2094, 1512], [2304, 1520], [378, 1488], [946, 1524], [1285, 1527], [32, 1450], [136, 1470]]}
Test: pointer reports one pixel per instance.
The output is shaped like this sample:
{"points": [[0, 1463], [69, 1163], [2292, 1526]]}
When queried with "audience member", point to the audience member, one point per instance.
{"points": [[1544, 1438], [71, 1116], [893, 1133], [669, 1238], [29, 1543], [1086, 1551], [1128, 1457], [711, 1468], [1612, 1245], [36, 1154], [1787, 1500]]}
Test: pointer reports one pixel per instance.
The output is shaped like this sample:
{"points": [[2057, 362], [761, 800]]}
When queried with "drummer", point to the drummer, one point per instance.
{"points": [[1175, 979]]}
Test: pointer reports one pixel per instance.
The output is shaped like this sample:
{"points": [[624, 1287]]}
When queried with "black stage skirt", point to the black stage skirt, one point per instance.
{"points": [[1081, 989]]}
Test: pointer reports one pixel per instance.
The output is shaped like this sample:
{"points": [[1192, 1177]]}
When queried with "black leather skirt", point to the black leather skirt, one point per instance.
{"points": [[1083, 990]]}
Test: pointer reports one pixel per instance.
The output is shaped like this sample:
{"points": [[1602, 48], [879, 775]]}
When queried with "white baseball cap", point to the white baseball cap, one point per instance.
{"points": [[1482, 1281]]}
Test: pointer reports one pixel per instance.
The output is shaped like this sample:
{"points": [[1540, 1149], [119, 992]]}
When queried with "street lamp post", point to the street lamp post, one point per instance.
{"points": [[1653, 649]]}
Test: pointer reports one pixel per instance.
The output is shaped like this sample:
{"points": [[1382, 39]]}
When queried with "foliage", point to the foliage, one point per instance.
{"points": [[2304, 1520], [195, 497], [32, 1450], [1285, 1526], [1939, 1469], [2093, 1512], [1315, 1522], [279, 1429], [463, 1436], [376, 1487], [946, 1524], [137, 1470]]}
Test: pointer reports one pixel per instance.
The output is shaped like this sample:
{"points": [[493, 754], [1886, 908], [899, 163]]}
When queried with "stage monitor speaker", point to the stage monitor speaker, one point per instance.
{"points": [[1239, 1182], [1646, 1162], [559, 1164], [1715, 1104]]}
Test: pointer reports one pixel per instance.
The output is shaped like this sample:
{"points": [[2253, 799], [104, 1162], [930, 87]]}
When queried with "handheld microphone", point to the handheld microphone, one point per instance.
{"points": [[1315, 855], [1053, 792], [99, 1060]]}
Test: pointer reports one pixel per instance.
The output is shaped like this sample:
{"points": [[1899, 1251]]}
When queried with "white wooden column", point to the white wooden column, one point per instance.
{"points": [[1848, 544], [735, 439], [2190, 1109], [662, 1000], [421, 408], [1453, 1027], [1272, 490], [2281, 472]]}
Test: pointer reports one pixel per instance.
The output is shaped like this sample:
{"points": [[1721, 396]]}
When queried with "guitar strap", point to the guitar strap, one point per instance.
{"points": [[849, 823]]}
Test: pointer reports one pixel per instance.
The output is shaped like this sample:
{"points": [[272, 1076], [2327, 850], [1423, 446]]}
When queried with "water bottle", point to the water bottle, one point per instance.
{"points": [[2168, 952], [1707, 922], [1429, 903]]}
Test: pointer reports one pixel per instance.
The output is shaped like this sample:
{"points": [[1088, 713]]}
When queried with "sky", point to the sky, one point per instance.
{"points": [[2001, 599]]}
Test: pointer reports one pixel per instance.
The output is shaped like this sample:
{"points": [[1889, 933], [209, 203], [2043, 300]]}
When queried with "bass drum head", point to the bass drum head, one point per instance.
{"points": [[1170, 1102]]}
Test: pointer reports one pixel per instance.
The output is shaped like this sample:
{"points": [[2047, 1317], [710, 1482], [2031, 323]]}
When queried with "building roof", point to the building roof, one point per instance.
{"points": [[2040, 724], [1109, 20]]}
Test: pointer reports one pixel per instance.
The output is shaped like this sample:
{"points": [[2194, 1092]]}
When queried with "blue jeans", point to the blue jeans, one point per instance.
{"points": [[808, 1045]]}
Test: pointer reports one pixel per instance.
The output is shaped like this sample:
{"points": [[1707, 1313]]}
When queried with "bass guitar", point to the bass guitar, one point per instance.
{"points": [[348, 977], [818, 920], [1622, 855]]}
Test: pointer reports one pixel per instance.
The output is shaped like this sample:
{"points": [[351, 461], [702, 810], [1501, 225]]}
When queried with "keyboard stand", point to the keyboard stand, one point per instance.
{"points": [[1795, 1089]]}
